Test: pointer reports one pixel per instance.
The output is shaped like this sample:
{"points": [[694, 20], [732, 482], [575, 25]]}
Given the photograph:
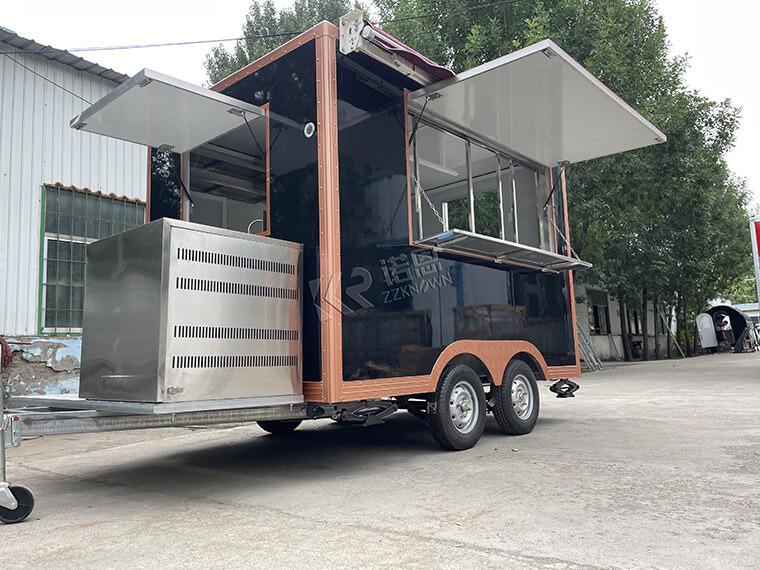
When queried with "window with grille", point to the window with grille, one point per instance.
{"points": [[70, 220]]}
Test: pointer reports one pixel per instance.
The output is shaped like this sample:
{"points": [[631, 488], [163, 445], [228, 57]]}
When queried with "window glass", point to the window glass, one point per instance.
{"points": [[71, 219], [510, 200], [441, 193]]}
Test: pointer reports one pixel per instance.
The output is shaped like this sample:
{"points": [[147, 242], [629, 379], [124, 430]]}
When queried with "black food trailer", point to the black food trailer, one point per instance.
{"points": [[340, 229]]}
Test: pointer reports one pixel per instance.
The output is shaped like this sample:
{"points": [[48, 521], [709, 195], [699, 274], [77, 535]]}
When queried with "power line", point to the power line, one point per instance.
{"points": [[448, 12], [263, 36], [47, 79], [279, 35]]}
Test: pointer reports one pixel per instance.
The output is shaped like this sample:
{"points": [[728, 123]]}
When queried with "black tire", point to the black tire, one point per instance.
{"points": [[279, 427], [457, 414], [25, 501], [516, 401]]}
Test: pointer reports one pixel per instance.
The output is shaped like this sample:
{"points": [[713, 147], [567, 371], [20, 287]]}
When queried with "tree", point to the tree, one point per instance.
{"points": [[666, 222], [266, 29]]}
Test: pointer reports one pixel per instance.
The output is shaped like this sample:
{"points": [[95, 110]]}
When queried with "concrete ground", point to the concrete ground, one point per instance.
{"points": [[651, 465]]}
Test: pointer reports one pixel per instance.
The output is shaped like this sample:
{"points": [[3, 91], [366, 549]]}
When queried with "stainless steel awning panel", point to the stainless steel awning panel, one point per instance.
{"points": [[540, 104], [163, 112], [460, 241]]}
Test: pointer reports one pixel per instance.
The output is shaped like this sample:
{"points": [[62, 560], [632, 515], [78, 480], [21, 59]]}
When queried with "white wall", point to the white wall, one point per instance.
{"points": [[37, 147], [610, 346]]}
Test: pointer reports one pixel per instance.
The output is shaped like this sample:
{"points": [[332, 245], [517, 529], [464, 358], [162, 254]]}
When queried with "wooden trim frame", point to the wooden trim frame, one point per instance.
{"points": [[267, 173], [329, 219], [320, 30], [494, 354]]}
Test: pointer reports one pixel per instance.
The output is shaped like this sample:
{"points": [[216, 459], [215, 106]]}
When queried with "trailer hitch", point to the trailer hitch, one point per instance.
{"points": [[564, 388]]}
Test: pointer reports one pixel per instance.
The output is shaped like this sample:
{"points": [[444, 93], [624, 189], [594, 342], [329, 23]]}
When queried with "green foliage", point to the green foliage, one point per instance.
{"points": [[263, 19], [669, 219], [743, 289]]}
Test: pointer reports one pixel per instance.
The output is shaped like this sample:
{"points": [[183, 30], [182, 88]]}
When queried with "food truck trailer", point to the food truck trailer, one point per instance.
{"points": [[339, 230]]}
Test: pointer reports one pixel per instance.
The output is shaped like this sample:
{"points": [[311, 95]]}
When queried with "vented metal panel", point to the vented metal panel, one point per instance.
{"points": [[178, 312]]}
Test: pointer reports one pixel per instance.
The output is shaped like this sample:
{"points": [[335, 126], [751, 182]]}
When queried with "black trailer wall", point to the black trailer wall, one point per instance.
{"points": [[289, 85], [404, 305]]}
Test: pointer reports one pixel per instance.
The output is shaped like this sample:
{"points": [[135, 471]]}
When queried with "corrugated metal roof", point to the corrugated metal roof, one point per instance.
{"points": [[24, 44]]}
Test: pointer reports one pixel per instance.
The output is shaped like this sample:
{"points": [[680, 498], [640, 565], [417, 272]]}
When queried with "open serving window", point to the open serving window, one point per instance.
{"points": [[205, 146], [483, 145]]}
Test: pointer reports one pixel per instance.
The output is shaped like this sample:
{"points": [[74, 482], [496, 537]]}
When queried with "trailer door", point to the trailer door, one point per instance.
{"points": [[165, 113]]}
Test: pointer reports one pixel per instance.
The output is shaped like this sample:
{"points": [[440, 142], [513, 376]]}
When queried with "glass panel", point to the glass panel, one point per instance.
{"points": [[64, 320], [417, 301], [288, 84], [52, 249], [76, 319], [63, 297], [51, 200], [165, 189], [79, 203], [51, 222], [106, 209], [80, 225], [442, 173], [64, 250], [50, 318], [485, 182], [93, 206], [50, 271], [92, 228], [77, 298], [529, 231], [65, 199], [118, 212], [77, 273], [131, 215], [63, 275]]}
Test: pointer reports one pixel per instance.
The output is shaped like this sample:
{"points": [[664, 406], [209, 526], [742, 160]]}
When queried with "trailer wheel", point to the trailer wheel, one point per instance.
{"points": [[457, 415], [25, 501], [516, 400], [279, 427]]}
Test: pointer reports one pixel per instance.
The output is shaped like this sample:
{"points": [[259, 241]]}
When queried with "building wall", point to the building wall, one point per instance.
{"points": [[38, 147], [610, 346]]}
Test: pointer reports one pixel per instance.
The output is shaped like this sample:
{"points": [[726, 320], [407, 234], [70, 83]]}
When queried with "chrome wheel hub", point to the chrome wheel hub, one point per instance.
{"points": [[463, 407], [522, 397]]}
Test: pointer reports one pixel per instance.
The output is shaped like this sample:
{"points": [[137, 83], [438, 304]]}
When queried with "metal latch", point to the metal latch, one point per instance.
{"points": [[12, 430]]}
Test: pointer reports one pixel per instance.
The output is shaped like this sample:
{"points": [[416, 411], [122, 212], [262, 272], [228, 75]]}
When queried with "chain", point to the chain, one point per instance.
{"points": [[567, 241], [427, 199], [395, 210]]}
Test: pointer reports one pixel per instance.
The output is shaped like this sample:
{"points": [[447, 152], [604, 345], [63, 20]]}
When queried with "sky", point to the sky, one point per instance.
{"points": [[713, 34]]}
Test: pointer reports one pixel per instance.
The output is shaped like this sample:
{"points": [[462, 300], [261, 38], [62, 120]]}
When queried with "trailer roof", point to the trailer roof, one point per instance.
{"points": [[539, 104]]}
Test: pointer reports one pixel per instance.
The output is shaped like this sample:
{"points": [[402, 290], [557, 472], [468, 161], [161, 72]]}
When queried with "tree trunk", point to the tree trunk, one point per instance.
{"points": [[644, 326], [686, 328], [624, 333], [679, 328], [670, 312], [656, 312]]}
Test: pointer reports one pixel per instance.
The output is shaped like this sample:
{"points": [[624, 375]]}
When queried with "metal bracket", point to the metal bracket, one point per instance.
{"points": [[351, 26], [564, 388], [12, 431], [7, 500]]}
